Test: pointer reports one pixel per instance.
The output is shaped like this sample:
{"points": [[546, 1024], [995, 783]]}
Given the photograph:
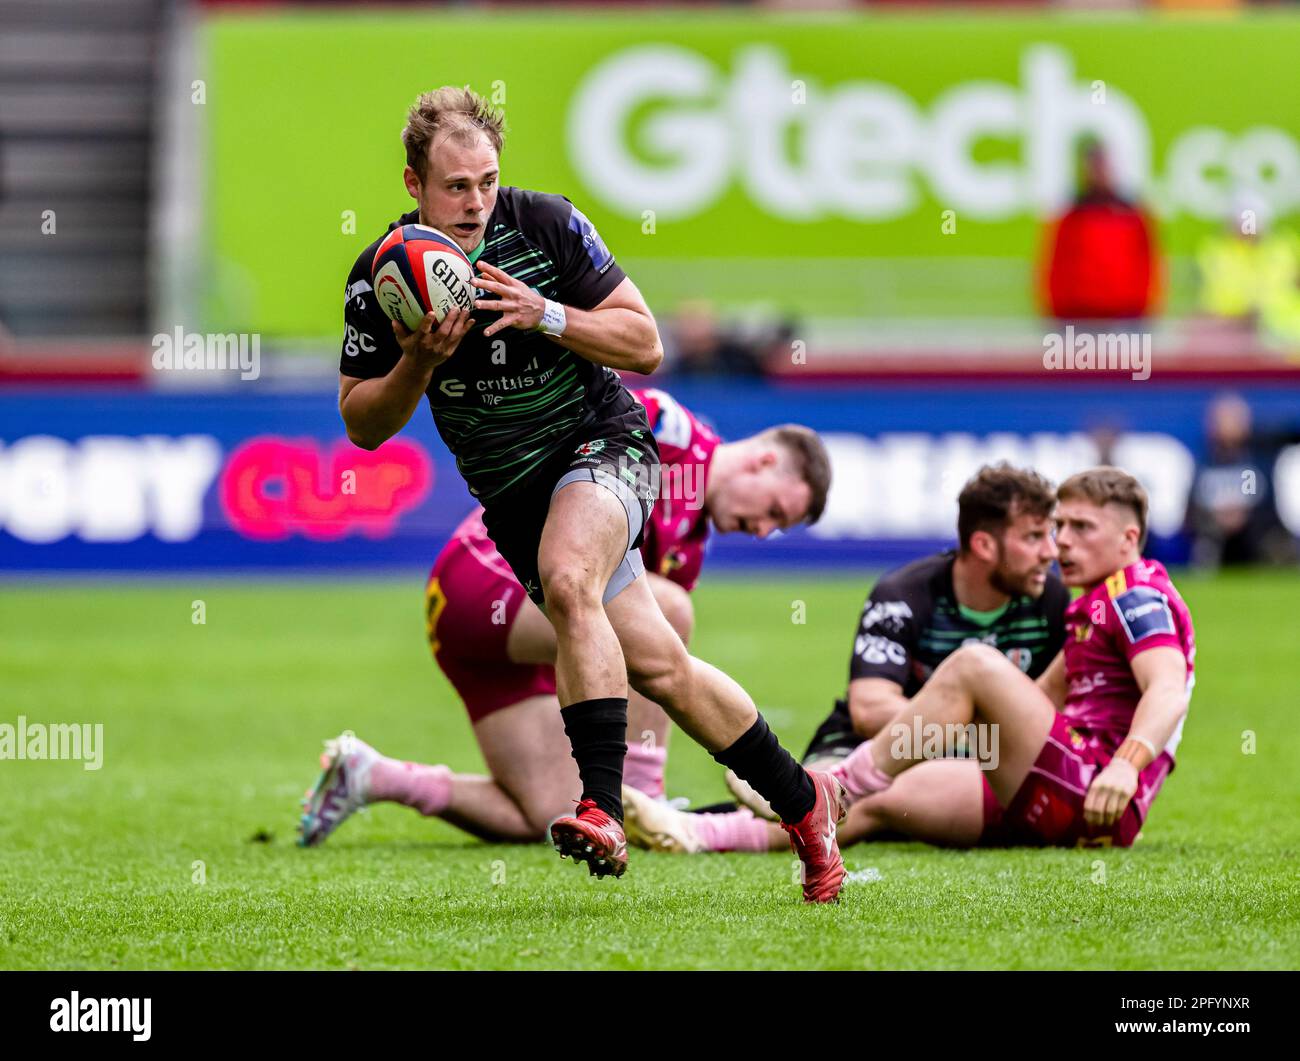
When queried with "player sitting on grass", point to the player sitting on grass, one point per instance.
{"points": [[996, 589], [527, 397], [1082, 753], [498, 649]]}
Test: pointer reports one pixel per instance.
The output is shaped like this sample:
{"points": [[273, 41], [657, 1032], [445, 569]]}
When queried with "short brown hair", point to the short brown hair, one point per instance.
{"points": [[811, 460], [1109, 485], [451, 111], [997, 494]]}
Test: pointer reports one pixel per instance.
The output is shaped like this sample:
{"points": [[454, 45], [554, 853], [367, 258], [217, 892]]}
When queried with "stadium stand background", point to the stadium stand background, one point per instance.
{"points": [[934, 363]]}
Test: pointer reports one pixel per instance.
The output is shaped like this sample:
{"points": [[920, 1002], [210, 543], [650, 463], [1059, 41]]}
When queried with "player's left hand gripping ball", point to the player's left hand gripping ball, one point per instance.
{"points": [[519, 305]]}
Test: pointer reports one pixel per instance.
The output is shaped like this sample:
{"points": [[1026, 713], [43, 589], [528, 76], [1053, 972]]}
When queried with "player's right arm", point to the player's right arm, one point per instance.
{"points": [[874, 703], [384, 369], [375, 409], [882, 657]]}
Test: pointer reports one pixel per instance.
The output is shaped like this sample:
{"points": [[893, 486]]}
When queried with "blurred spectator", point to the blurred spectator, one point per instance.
{"points": [[1101, 261], [699, 345], [1232, 513], [1250, 273]]}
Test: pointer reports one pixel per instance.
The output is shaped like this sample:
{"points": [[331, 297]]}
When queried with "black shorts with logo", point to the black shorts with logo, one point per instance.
{"points": [[619, 453]]}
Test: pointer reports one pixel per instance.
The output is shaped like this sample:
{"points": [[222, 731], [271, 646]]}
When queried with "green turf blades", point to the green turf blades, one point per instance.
{"points": [[179, 852]]}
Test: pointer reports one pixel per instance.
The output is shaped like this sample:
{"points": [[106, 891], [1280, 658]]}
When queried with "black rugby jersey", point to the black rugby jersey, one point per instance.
{"points": [[911, 623], [503, 421]]}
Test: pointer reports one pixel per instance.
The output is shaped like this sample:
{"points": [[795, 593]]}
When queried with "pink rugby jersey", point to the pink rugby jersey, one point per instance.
{"points": [[673, 542], [1135, 609]]}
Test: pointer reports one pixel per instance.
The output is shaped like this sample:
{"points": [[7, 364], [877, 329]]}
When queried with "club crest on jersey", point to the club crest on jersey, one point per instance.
{"points": [[1083, 631], [1144, 612], [587, 449], [671, 562], [1021, 657]]}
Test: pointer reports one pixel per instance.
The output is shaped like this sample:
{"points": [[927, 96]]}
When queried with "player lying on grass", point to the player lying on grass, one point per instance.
{"points": [[1082, 753], [498, 649], [997, 589], [562, 459]]}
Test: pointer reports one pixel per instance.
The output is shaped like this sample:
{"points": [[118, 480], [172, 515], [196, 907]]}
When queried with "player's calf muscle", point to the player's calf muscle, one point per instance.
{"points": [[675, 603]]}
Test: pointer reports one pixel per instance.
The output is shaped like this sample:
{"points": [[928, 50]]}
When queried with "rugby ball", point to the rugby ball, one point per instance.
{"points": [[417, 269]]}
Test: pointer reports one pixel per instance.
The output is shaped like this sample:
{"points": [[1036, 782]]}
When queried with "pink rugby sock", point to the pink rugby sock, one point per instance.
{"points": [[859, 774], [423, 788], [643, 769], [737, 830]]}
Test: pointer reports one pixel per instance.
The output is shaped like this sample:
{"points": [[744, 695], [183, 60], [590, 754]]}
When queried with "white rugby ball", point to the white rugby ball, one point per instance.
{"points": [[417, 269]]}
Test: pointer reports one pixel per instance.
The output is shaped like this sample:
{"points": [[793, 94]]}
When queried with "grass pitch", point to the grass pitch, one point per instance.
{"points": [[179, 852]]}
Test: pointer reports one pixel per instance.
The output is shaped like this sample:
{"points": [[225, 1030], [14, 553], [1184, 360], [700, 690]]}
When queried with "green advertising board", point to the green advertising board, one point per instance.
{"points": [[845, 165]]}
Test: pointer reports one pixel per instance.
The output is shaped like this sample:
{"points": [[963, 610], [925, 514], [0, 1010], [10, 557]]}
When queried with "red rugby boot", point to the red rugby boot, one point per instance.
{"points": [[593, 837], [813, 840]]}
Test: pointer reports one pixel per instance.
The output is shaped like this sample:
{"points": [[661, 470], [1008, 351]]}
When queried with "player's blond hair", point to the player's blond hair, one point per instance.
{"points": [[448, 112], [1109, 485], [811, 462]]}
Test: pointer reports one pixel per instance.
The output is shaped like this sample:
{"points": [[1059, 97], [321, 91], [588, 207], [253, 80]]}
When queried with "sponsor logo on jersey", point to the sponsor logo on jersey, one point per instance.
{"points": [[452, 388], [1144, 612], [358, 291], [1021, 657], [671, 562], [1086, 684], [878, 650], [601, 258], [673, 426], [358, 341], [888, 615]]}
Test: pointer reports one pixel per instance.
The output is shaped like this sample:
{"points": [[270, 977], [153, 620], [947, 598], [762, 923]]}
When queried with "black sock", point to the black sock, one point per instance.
{"points": [[757, 757], [597, 731]]}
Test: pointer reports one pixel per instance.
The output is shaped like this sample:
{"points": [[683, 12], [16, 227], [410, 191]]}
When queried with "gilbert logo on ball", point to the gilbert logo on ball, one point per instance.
{"points": [[417, 269]]}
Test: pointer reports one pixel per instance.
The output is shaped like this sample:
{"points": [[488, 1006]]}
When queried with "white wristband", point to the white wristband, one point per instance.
{"points": [[553, 320], [1145, 743]]}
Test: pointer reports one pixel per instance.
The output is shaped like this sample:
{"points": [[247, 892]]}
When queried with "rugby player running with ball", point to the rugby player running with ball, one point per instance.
{"points": [[524, 393]]}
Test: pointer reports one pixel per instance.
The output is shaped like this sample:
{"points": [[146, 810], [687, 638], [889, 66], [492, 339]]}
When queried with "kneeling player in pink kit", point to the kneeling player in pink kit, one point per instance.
{"points": [[1083, 752], [498, 649]]}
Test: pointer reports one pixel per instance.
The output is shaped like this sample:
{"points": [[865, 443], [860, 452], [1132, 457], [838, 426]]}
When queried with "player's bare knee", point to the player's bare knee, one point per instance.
{"points": [[971, 663], [570, 594]]}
